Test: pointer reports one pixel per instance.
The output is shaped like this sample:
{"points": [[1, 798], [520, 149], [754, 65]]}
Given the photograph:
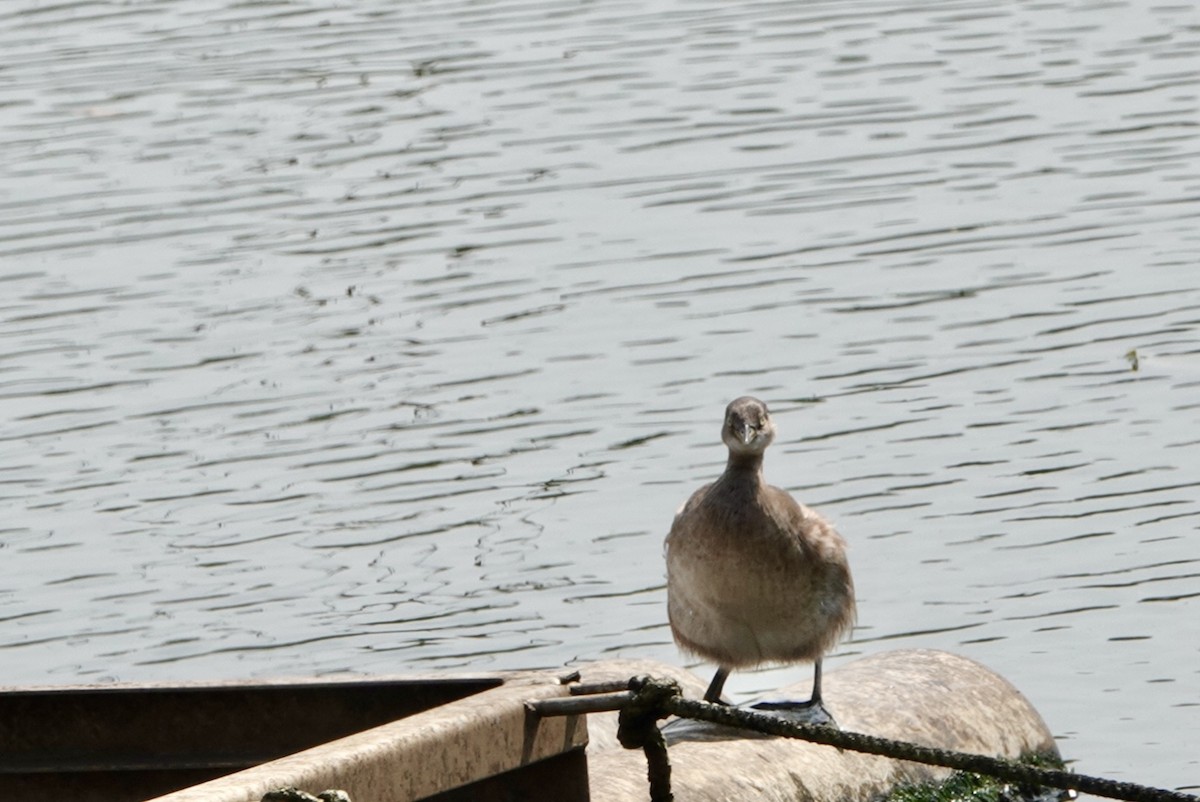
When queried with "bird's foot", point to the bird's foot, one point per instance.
{"points": [[810, 712]]}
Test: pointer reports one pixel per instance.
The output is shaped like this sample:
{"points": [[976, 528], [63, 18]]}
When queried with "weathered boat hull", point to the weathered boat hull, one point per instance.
{"points": [[125, 743], [472, 738]]}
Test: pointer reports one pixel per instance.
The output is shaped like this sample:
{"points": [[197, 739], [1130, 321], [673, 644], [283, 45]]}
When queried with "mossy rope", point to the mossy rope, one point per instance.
{"points": [[654, 699]]}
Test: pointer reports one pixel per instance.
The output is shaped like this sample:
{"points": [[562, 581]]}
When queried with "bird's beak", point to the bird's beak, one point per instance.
{"points": [[748, 433]]}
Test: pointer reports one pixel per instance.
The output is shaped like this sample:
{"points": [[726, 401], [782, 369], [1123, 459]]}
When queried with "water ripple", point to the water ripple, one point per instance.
{"points": [[378, 336]]}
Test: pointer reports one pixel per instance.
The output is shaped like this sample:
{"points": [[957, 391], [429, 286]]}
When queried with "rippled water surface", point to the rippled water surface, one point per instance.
{"points": [[385, 336]]}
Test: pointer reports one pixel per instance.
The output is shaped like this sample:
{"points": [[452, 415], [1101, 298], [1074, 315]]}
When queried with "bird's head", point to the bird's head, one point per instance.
{"points": [[748, 428]]}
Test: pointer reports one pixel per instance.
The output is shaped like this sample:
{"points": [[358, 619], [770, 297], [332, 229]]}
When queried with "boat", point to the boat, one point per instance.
{"points": [[447, 738]]}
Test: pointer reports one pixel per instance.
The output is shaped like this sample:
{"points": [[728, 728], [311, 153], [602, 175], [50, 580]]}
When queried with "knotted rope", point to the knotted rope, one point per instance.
{"points": [[648, 700], [637, 728]]}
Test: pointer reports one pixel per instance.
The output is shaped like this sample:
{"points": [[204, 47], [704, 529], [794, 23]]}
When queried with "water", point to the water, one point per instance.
{"points": [[388, 337]]}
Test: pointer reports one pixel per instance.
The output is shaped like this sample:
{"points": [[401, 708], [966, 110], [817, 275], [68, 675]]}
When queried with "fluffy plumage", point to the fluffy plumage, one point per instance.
{"points": [[753, 576]]}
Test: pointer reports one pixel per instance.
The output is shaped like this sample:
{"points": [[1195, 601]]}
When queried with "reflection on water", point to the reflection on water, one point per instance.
{"points": [[386, 336]]}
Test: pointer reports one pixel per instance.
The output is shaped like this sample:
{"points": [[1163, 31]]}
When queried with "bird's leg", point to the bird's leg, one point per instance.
{"points": [[815, 698], [682, 728], [812, 711], [713, 694]]}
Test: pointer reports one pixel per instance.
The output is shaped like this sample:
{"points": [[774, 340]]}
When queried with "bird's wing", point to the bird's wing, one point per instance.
{"points": [[687, 506]]}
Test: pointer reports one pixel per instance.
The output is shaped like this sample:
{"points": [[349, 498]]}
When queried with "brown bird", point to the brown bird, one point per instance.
{"points": [[753, 576]]}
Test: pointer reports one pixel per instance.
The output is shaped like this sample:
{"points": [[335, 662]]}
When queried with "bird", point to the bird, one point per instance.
{"points": [[753, 576]]}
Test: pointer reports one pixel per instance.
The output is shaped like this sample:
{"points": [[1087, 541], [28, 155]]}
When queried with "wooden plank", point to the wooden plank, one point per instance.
{"points": [[429, 753]]}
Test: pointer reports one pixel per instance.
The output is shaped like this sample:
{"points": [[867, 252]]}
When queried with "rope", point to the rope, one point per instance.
{"points": [[293, 794], [654, 699], [638, 728]]}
